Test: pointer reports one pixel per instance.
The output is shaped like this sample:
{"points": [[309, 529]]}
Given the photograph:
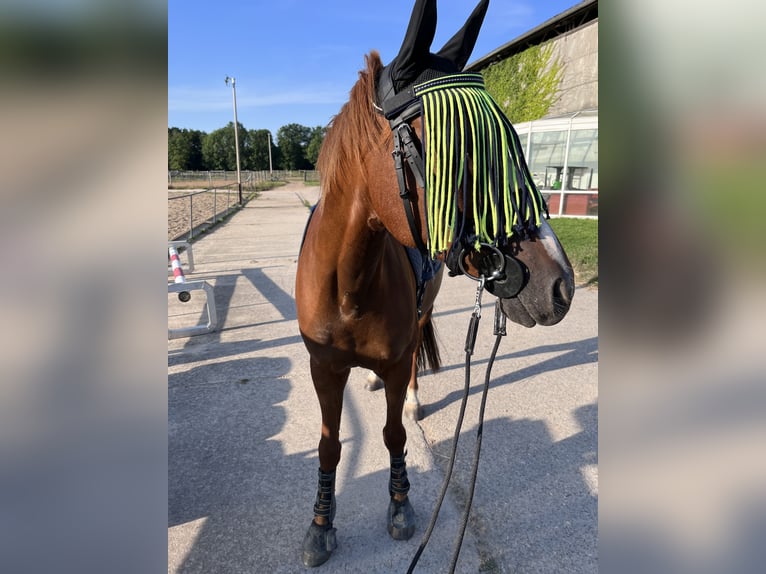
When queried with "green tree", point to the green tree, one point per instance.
{"points": [[525, 85], [258, 150], [185, 149], [315, 144], [276, 155], [177, 153], [195, 143], [218, 150], [245, 148], [293, 142]]}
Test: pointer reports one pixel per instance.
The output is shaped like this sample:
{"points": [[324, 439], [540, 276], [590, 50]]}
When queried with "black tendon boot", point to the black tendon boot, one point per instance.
{"points": [[401, 515], [320, 539]]}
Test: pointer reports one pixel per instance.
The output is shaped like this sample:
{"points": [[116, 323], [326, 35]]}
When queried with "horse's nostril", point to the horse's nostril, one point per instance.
{"points": [[561, 295]]}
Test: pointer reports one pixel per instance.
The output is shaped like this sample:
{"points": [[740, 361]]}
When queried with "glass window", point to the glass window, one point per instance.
{"points": [[583, 160], [523, 140], [546, 158]]}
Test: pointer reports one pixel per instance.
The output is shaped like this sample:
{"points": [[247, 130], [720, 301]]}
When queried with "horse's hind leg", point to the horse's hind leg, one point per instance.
{"points": [[401, 515], [412, 408], [319, 541], [374, 382]]}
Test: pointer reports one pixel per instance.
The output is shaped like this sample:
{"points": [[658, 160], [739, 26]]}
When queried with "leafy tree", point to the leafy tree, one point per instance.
{"points": [[195, 156], [218, 150], [176, 149], [258, 150], [276, 155], [185, 149], [315, 144], [293, 142], [525, 85]]}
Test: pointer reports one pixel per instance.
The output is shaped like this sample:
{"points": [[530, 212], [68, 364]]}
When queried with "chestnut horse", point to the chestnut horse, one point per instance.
{"points": [[361, 300]]}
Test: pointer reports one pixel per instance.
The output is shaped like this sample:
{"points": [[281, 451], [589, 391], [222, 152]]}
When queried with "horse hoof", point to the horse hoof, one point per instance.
{"points": [[413, 411], [401, 519], [318, 544], [374, 382]]}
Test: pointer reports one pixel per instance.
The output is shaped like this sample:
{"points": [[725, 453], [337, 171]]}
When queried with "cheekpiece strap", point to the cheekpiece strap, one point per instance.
{"points": [[404, 147]]}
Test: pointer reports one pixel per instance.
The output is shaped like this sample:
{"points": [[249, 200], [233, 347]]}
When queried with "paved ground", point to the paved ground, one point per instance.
{"points": [[244, 425]]}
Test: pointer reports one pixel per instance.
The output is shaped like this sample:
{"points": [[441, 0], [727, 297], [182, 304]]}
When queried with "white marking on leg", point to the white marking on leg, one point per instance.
{"points": [[373, 382], [412, 396]]}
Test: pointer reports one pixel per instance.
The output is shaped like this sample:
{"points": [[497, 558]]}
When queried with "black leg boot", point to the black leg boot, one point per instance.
{"points": [[320, 539], [401, 515]]}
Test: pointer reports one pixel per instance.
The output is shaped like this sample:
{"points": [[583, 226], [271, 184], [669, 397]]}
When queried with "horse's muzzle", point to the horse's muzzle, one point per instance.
{"points": [[546, 308], [533, 287]]}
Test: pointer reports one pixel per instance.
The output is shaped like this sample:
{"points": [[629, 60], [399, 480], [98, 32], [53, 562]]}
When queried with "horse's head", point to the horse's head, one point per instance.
{"points": [[469, 198]]}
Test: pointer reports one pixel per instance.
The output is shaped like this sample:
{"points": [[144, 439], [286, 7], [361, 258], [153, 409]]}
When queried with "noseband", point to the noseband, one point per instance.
{"points": [[505, 276]]}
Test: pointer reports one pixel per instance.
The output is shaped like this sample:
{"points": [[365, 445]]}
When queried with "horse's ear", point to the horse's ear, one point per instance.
{"points": [[416, 47], [460, 46]]}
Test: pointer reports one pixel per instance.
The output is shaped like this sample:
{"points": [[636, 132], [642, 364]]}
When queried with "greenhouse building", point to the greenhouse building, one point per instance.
{"points": [[561, 147]]}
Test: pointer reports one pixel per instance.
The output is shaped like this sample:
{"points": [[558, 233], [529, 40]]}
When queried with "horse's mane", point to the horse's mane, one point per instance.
{"points": [[353, 132]]}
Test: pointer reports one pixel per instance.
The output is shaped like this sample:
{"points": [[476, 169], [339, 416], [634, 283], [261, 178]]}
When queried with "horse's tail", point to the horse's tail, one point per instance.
{"points": [[428, 352]]}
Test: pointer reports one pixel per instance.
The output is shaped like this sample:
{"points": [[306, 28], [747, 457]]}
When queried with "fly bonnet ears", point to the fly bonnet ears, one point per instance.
{"points": [[416, 64], [468, 148]]}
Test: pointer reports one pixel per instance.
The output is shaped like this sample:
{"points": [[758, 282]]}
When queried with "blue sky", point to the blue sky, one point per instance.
{"points": [[295, 60]]}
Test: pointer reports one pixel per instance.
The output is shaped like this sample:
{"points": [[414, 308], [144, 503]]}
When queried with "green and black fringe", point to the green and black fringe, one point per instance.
{"points": [[469, 144]]}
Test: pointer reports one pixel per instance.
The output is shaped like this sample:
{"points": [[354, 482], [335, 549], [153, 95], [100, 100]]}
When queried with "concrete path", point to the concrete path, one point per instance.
{"points": [[244, 425]]}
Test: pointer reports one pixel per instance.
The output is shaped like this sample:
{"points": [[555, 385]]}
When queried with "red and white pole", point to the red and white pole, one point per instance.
{"points": [[175, 265], [178, 273]]}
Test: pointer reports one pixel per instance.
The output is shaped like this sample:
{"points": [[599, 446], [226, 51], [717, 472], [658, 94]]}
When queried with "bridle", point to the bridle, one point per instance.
{"points": [[502, 275], [400, 109]]}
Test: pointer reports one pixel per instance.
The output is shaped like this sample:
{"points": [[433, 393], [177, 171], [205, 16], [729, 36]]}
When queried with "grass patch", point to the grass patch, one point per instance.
{"points": [[579, 237], [266, 185], [311, 182]]}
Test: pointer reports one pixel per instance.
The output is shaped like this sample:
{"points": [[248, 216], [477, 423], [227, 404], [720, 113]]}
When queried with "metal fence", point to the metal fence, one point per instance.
{"points": [[190, 214], [210, 179], [213, 195]]}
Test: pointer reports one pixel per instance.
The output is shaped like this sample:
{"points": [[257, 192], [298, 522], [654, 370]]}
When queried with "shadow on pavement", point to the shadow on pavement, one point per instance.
{"points": [[250, 503], [223, 465], [533, 505], [210, 346], [577, 353]]}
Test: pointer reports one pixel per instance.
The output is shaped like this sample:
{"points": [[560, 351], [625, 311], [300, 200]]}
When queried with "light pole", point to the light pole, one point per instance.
{"points": [[271, 171], [236, 134]]}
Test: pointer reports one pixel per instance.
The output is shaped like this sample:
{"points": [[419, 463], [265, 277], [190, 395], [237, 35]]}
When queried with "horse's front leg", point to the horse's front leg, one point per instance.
{"points": [[401, 515], [319, 541]]}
